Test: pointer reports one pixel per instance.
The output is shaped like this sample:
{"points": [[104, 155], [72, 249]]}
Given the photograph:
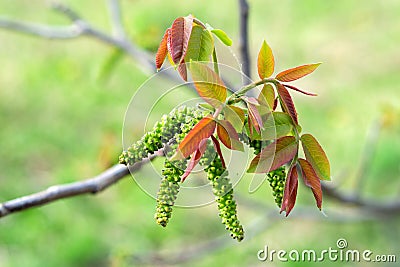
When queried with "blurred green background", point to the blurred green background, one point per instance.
{"points": [[61, 121]]}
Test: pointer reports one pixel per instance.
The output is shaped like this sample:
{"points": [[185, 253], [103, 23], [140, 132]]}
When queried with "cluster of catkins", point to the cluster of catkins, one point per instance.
{"points": [[167, 134]]}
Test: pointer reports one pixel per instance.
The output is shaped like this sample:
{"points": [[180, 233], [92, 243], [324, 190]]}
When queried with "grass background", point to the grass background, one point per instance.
{"points": [[61, 122]]}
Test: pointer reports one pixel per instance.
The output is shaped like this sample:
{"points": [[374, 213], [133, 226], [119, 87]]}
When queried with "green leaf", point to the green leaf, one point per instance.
{"points": [[267, 96], [316, 156], [228, 135], [222, 36], [274, 155], [235, 116], [296, 73], [311, 180], [208, 84], [200, 45], [265, 61], [202, 130]]}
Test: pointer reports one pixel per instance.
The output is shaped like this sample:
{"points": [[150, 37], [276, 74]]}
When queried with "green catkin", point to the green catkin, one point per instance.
{"points": [[172, 172], [223, 191], [162, 133], [276, 180]]}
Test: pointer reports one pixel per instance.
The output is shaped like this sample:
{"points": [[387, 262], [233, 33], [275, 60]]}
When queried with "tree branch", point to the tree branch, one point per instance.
{"points": [[244, 36], [90, 186]]}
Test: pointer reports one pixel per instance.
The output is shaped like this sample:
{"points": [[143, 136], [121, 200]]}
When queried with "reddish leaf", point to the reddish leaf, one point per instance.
{"points": [[180, 35], [208, 84], [300, 91], [265, 61], [162, 50], [287, 102], [275, 104], [290, 193], [296, 73], [194, 160], [218, 149], [235, 116], [316, 156], [274, 155], [255, 119], [311, 180], [182, 70], [202, 130], [228, 135]]}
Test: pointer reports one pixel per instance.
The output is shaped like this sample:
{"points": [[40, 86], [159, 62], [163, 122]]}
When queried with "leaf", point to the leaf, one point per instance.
{"points": [[228, 135], [162, 49], [311, 180], [290, 192], [208, 84], [202, 130], [267, 96], [274, 155], [222, 36], [287, 102], [316, 156], [255, 119], [180, 34], [200, 45], [296, 73], [300, 91], [218, 149], [265, 61], [277, 125], [194, 160], [182, 70], [235, 116], [206, 106]]}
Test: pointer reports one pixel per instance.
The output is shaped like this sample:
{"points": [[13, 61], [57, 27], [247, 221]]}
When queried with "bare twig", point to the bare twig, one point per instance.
{"points": [[244, 36], [389, 208], [116, 19], [90, 186]]}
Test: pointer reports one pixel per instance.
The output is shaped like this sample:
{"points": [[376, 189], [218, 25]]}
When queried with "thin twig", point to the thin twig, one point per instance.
{"points": [[90, 186], [114, 9], [244, 37]]}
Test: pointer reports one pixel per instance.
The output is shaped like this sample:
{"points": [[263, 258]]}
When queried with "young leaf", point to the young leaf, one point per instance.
{"points": [[311, 180], [277, 125], [274, 155], [255, 119], [235, 116], [200, 45], [222, 36], [316, 156], [228, 135], [218, 149], [296, 73], [300, 91], [180, 34], [208, 84], [267, 96], [162, 50], [202, 130], [287, 102], [182, 70], [265, 61], [290, 193], [194, 160]]}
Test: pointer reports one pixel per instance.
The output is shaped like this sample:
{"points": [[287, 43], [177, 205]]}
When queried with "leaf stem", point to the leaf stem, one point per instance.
{"points": [[233, 98]]}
